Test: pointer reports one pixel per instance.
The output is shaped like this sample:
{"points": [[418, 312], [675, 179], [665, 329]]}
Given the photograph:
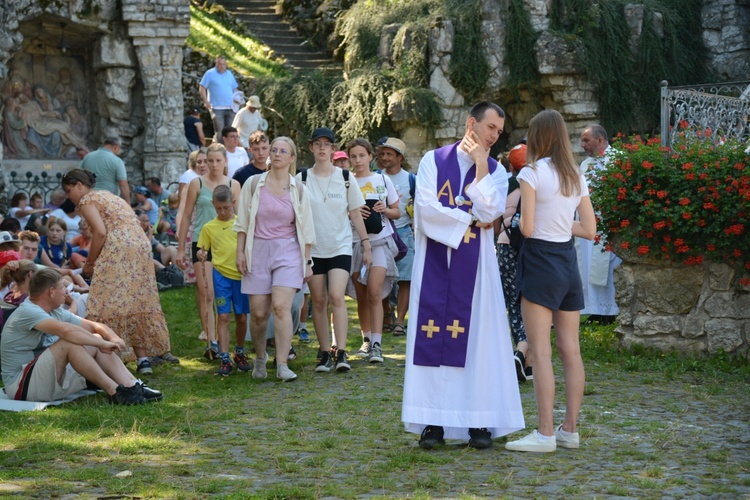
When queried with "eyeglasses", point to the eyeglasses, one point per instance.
{"points": [[322, 145], [278, 151]]}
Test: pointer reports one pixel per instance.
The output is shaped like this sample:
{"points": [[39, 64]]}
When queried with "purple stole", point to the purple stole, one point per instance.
{"points": [[445, 300]]}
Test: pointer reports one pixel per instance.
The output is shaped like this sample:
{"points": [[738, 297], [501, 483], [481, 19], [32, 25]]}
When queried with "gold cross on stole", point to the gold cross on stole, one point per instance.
{"points": [[430, 328], [469, 235], [455, 329]]}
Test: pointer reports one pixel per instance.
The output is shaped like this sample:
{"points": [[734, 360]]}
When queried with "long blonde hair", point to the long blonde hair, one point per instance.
{"points": [[293, 152], [548, 137]]}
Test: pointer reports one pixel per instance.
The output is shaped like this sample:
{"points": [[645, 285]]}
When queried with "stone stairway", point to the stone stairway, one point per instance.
{"points": [[262, 20]]}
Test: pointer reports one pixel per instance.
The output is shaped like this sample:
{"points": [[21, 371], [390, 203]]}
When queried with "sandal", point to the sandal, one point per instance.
{"points": [[387, 323], [399, 330]]}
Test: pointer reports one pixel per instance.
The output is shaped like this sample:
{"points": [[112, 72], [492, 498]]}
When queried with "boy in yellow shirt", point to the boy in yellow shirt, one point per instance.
{"points": [[218, 238]]}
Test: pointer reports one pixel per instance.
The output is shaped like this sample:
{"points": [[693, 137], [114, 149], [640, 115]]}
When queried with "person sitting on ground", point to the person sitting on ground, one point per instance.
{"points": [[39, 219], [18, 274], [67, 213], [81, 245], [55, 251], [158, 193], [10, 225], [19, 209], [29, 242], [56, 199], [218, 238], [49, 353], [162, 255], [143, 203], [168, 219]]}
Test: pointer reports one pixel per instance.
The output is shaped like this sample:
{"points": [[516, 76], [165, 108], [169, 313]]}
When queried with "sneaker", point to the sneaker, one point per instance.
{"points": [[365, 350], [319, 355], [292, 354], [144, 367], [225, 368], [432, 436], [341, 364], [376, 354], [532, 443], [520, 360], [155, 360], [304, 335], [212, 351], [528, 373], [324, 365], [259, 366], [203, 336], [571, 441], [149, 394], [127, 395], [284, 374], [241, 361], [480, 438], [169, 358]]}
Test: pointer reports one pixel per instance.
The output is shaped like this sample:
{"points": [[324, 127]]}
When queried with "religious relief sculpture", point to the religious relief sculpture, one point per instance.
{"points": [[39, 123]]}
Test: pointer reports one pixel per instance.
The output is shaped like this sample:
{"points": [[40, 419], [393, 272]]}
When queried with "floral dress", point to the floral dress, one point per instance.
{"points": [[123, 292]]}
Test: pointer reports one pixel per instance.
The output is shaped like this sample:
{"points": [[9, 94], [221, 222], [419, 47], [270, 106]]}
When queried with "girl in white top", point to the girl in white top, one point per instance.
{"points": [[552, 190], [333, 202], [370, 288]]}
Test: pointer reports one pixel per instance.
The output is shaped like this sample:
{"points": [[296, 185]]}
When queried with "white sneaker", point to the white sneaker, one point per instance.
{"points": [[532, 443], [572, 441], [284, 374], [259, 366]]}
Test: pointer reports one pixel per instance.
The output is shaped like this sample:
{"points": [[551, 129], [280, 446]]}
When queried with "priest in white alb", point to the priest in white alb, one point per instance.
{"points": [[460, 380]]}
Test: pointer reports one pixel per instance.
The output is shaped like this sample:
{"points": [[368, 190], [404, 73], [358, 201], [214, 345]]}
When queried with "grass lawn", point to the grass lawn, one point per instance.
{"points": [[651, 426]]}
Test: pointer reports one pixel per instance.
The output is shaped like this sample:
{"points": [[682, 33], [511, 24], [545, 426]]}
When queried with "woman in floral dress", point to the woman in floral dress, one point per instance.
{"points": [[123, 291]]}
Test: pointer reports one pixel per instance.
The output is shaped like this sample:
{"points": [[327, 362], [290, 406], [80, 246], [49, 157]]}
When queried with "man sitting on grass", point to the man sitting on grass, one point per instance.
{"points": [[49, 353]]}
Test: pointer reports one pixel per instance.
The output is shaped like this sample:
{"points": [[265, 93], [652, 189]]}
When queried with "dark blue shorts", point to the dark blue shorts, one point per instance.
{"points": [[548, 275]]}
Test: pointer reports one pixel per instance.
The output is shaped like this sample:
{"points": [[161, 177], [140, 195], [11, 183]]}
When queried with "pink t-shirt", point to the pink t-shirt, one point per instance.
{"points": [[275, 218]]}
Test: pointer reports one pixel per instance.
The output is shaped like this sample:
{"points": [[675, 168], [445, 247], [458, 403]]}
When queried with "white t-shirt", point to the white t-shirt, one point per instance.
{"points": [[22, 220], [188, 176], [553, 218], [403, 188], [246, 123], [71, 222], [333, 234], [236, 160], [377, 187]]}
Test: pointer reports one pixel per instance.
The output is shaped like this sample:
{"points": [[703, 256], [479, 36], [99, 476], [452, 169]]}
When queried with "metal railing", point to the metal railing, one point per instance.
{"points": [[722, 108], [31, 183]]}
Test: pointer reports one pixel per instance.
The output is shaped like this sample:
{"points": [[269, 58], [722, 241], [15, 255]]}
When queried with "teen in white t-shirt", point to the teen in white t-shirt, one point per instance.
{"points": [[332, 204]]}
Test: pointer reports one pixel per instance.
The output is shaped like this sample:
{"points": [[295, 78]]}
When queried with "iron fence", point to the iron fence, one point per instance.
{"points": [[31, 183], [722, 108]]}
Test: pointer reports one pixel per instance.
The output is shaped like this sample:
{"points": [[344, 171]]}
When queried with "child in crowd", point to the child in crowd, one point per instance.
{"points": [[144, 203], [81, 245], [19, 208], [54, 250], [341, 160], [38, 220], [218, 238], [168, 219]]}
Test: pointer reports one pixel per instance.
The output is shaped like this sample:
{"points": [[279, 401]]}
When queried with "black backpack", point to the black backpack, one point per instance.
{"points": [[169, 277]]}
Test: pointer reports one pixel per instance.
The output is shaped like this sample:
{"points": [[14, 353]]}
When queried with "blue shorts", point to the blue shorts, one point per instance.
{"points": [[227, 294], [404, 265], [548, 275]]}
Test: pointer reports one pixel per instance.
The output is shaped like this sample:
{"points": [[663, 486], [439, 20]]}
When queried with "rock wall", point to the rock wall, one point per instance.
{"points": [[132, 53], [563, 84], [701, 309]]}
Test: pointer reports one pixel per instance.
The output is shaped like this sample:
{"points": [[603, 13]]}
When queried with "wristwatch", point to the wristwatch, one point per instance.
{"points": [[309, 262], [474, 221]]}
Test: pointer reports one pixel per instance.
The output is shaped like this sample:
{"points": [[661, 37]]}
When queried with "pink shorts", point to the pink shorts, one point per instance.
{"points": [[275, 263]]}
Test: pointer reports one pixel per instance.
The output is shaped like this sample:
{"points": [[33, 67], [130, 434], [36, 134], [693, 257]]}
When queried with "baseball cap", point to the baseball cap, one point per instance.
{"points": [[323, 132], [517, 156], [143, 190], [338, 155]]}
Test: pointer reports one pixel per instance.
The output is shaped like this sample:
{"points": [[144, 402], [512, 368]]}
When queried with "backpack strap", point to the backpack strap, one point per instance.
{"points": [[345, 173], [304, 176], [412, 184]]}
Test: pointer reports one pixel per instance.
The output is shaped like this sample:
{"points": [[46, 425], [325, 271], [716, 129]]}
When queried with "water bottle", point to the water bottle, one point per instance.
{"points": [[515, 221]]}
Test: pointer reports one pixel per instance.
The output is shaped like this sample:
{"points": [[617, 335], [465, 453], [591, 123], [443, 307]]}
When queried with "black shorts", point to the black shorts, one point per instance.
{"points": [[548, 275], [194, 246], [322, 266]]}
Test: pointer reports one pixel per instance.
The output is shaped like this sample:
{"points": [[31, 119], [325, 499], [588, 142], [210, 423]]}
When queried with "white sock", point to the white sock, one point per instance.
{"points": [[542, 437], [366, 337], [303, 325], [376, 338], [141, 360]]}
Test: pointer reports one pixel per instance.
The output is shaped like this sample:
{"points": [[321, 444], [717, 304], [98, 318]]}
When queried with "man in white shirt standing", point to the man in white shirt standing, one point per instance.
{"points": [[217, 88], [236, 155], [391, 157], [248, 120], [597, 266]]}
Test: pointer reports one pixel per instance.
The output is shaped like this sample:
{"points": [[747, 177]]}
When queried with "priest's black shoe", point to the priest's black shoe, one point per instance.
{"points": [[480, 438], [432, 436]]}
